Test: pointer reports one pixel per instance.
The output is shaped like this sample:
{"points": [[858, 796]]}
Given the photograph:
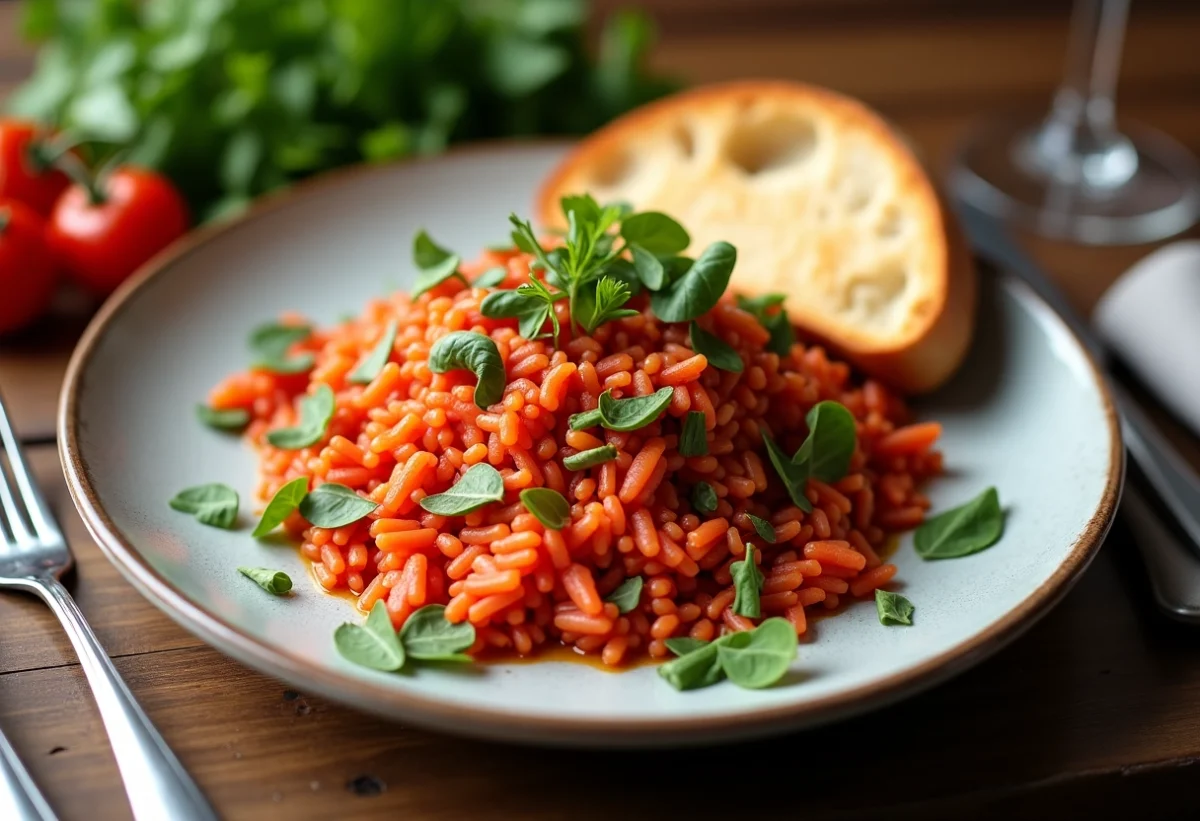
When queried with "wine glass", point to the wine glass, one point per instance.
{"points": [[1074, 175]]}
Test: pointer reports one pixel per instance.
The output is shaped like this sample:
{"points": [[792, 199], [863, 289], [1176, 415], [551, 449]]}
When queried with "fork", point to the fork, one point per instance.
{"points": [[33, 557]]}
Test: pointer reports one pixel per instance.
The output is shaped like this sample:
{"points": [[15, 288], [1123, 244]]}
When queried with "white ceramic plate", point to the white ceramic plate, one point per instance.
{"points": [[1026, 414]]}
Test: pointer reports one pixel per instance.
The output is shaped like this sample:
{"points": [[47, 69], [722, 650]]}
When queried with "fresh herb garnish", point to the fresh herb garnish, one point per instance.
{"points": [[717, 351], [783, 335], [529, 307], [696, 668], [271, 343], [590, 458], [285, 501], [480, 485], [332, 505], [275, 582], [704, 498], [370, 367], [693, 441], [763, 528], [699, 289], [648, 268], [682, 645], [316, 410], [627, 595], [832, 437], [963, 530], [429, 278], [585, 419], [213, 504], [232, 419], [893, 608], [655, 232], [549, 506], [429, 637], [601, 302], [760, 657], [491, 277], [373, 643], [467, 350], [633, 412], [795, 477], [747, 585]]}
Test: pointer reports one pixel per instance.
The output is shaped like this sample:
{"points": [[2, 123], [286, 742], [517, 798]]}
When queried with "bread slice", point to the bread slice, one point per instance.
{"points": [[823, 202]]}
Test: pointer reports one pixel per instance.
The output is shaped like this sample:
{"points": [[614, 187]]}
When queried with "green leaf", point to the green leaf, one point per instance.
{"points": [[699, 668], [275, 582], [491, 278], [372, 644], [213, 504], [370, 367], [794, 476], [387, 142], [704, 499], [428, 636], [518, 66], [633, 412], [747, 585], [285, 501], [697, 291], [585, 419], [627, 595], [480, 485], [719, 353], [832, 438], [760, 657], [590, 458], [332, 505], [682, 645], [764, 529], [783, 336], [228, 419], [694, 439], [104, 112], [607, 295], [428, 254], [963, 530], [893, 608], [649, 268], [548, 505], [316, 409], [656, 233], [429, 278], [584, 206], [273, 340], [467, 350], [528, 305], [241, 159]]}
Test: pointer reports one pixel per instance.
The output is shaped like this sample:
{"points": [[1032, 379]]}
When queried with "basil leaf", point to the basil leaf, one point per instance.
{"points": [[760, 657], [370, 367], [474, 352], [717, 351], [333, 505], [763, 528], [893, 608], [694, 439], [291, 365], [275, 582], [232, 419], [426, 253], [585, 419], [429, 278], [794, 476], [682, 645], [747, 584], [372, 644], [213, 504], [428, 636], [655, 232], [704, 498], [316, 410], [585, 207], [697, 291], [964, 530], [549, 506], [699, 668], [491, 278], [530, 310], [282, 504], [634, 412], [627, 595], [272, 341], [783, 336], [649, 269], [480, 485], [830, 444], [590, 458], [759, 305]]}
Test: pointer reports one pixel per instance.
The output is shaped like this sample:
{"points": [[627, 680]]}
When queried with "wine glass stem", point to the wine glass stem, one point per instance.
{"points": [[1088, 93]]}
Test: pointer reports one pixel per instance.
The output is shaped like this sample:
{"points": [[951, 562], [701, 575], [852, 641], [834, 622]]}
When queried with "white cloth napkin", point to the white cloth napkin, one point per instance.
{"points": [[1151, 319]]}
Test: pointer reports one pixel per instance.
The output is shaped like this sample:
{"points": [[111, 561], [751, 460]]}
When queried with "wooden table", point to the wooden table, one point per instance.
{"points": [[1095, 712]]}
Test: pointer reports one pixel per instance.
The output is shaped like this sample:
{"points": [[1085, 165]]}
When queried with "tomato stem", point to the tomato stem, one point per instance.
{"points": [[93, 184]]}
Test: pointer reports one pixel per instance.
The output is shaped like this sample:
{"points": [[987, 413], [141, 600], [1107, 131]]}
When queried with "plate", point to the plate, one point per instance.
{"points": [[1027, 414]]}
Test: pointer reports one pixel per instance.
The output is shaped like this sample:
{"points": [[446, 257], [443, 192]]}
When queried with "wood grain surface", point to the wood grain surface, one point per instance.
{"points": [[1094, 713]]}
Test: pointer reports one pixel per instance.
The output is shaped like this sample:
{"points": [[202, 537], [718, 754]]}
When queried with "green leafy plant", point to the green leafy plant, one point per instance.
{"points": [[373, 363], [548, 505], [213, 504], [232, 419], [590, 458], [704, 497], [769, 311], [316, 409], [275, 582], [717, 351], [480, 485], [961, 531], [825, 453], [627, 595], [893, 608], [747, 585], [693, 440], [753, 658], [333, 505], [285, 501], [467, 350]]}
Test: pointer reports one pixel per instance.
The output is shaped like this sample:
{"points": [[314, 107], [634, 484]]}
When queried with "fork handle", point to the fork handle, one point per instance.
{"points": [[156, 783], [20, 798]]}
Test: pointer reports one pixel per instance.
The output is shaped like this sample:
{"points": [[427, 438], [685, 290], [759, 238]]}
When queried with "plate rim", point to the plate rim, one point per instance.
{"points": [[272, 660]]}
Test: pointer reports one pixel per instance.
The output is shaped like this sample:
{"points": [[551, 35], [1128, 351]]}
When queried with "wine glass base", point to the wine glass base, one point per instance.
{"points": [[1160, 198]]}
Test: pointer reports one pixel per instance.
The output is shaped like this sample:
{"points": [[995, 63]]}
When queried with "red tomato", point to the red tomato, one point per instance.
{"points": [[27, 271], [24, 175], [101, 243]]}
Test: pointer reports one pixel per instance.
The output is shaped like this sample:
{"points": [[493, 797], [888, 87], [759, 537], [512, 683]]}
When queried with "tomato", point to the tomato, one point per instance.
{"points": [[27, 271], [25, 173], [103, 233]]}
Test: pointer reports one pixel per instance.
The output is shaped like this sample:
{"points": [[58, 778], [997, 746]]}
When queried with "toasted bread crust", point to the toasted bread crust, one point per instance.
{"points": [[921, 341]]}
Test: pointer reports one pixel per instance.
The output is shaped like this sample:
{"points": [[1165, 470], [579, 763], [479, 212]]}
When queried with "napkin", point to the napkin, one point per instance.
{"points": [[1151, 318]]}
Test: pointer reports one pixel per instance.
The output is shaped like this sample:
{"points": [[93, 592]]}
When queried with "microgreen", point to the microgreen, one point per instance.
{"points": [[480, 485], [961, 531], [333, 505], [893, 608], [427, 636], [832, 437], [704, 497], [282, 504], [699, 289], [764, 529], [213, 504], [783, 336], [627, 595], [719, 353]]}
